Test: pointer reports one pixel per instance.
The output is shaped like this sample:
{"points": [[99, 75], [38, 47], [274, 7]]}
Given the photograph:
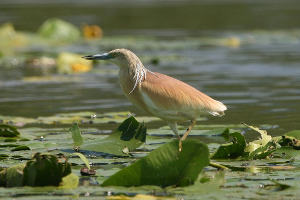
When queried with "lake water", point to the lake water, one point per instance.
{"points": [[245, 54]]}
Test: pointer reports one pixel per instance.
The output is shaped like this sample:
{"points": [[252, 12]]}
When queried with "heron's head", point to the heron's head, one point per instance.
{"points": [[120, 57]]}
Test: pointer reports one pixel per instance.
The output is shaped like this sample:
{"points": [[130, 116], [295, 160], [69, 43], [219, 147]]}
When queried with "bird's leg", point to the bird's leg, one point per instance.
{"points": [[173, 126], [188, 130]]}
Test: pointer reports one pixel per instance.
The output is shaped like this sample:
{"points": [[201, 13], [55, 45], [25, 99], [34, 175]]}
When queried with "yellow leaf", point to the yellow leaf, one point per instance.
{"points": [[92, 32], [265, 138], [68, 63]]}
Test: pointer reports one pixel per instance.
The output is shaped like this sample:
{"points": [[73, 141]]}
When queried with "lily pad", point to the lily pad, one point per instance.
{"points": [[233, 149], [21, 148], [294, 133], [165, 166], [8, 131], [129, 136]]}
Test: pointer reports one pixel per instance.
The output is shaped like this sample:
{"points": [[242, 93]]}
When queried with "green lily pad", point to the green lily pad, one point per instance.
{"points": [[8, 131], [294, 133], [165, 166], [10, 140], [130, 135], [203, 185], [77, 117], [21, 148], [233, 149]]}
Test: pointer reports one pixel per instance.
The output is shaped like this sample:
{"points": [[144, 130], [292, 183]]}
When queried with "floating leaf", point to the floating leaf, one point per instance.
{"points": [[10, 140], [8, 131], [165, 166], [277, 186], [139, 197], [233, 149], [294, 133], [130, 134], [287, 153], [21, 148], [3, 156], [76, 135], [203, 186]]}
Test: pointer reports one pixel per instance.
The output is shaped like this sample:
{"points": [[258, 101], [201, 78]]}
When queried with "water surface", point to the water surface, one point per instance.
{"points": [[257, 77]]}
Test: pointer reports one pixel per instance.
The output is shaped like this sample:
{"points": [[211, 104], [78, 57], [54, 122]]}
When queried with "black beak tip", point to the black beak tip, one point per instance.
{"points": [[89, 57]]}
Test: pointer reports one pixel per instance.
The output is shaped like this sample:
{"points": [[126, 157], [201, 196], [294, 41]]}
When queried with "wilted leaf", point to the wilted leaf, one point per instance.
{"points": [[233, 149], [288, 141], [130, 134], [265, 138], [8, 131], [76, 135], [261, 148], [263, 151], [165, 166]]}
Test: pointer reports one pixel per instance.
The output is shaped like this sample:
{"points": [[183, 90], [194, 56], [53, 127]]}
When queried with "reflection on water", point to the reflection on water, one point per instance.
{"points": [[257, 79]]}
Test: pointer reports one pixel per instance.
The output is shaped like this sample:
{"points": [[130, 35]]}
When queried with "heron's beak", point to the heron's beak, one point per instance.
{"points": [[104, 56]]}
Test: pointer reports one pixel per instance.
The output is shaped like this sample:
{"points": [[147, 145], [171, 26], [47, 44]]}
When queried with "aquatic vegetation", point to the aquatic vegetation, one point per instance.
{"points": [[133, 167], [59, 31]]}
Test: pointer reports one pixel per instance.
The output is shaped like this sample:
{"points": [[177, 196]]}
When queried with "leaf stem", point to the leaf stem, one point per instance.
{"points": [[218, 166]]}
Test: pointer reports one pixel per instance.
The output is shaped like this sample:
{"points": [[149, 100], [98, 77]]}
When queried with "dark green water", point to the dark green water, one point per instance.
{"points": [[258, 80]]}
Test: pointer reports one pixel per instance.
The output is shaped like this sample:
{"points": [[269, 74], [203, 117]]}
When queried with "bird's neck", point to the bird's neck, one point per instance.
{"points": [[132, 75]]}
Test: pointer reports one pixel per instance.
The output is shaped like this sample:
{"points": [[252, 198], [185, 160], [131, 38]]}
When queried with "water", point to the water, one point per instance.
{"points": [[258, 80]]}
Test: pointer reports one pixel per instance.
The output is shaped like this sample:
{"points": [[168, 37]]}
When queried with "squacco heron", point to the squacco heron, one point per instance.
{"points": [[160, 95]]}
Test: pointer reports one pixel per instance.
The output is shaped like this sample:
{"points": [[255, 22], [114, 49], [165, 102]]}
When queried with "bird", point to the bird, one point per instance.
{"points": [[160, 95]]}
